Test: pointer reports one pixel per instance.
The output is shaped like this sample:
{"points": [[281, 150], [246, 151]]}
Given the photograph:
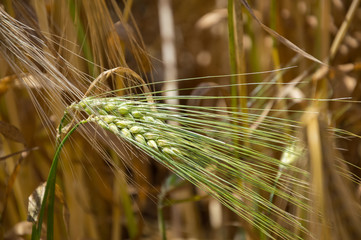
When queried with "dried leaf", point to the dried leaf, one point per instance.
{"points": [[34, 204], [11, 132], [36, 199], [283, 40]]}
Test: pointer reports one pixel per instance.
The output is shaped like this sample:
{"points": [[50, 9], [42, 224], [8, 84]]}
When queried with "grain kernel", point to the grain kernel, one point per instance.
{"points": [[139, 138], [123, 110], [152, 144], [137, 114], [126, 133], [136, 129], [110, 107]]}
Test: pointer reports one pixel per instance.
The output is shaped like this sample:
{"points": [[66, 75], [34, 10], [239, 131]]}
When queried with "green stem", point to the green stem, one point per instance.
{"points": [[83, 40], [161, 220], [50, 190], [232, 53]]}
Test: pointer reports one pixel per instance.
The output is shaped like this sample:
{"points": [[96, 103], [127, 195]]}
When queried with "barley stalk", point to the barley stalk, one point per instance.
{"points": [[194, 154]]}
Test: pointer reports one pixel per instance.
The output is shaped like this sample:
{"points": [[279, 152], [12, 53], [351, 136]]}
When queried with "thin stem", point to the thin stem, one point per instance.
{"points": [[127, 10], [276, 57], [343, 29], [232, 52], [50, 190], [161, 220], [82, 38]]}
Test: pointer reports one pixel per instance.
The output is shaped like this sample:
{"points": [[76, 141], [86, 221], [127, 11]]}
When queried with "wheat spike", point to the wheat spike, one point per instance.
{"points": [[130, 120]]}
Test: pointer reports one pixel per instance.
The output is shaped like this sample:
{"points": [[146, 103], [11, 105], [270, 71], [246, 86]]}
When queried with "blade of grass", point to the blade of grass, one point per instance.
{"points": [[83, 40], [236, 54], [50, 189]]}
